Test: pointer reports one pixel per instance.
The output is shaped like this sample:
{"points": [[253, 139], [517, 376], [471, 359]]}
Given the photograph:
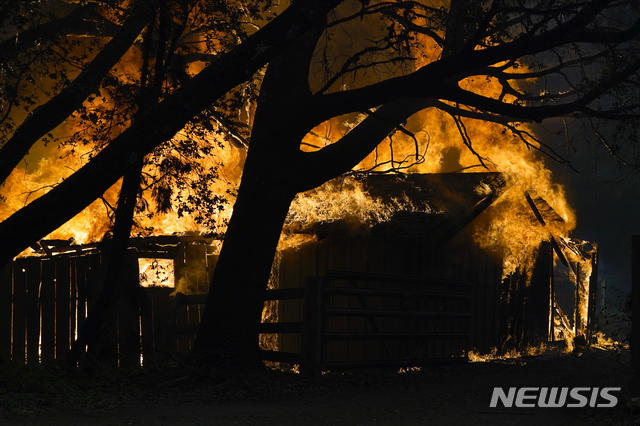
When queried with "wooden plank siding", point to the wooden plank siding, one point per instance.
{"points": [[44, 302], [48, 311], [63, 307], [459, 259], [407, 293], [33, 309]]}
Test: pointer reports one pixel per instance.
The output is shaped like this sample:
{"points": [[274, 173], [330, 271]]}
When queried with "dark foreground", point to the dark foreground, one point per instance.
{"points": [[172, 394]]}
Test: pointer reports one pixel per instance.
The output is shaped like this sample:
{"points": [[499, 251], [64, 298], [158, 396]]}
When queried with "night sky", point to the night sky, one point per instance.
{"points": [[607, 200]]}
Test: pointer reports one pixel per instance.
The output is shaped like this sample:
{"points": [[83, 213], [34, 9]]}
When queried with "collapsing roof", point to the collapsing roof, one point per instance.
{"points": [[432, 206], [443, 203]]}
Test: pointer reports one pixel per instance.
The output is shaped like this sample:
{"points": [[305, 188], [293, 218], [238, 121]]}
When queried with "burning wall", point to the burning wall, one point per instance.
{"points": [[405, 221]]}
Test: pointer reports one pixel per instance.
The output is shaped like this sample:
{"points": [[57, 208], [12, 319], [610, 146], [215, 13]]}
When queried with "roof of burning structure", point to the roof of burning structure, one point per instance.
{"points": [[432, 206], [438, 192], [437, 206]]}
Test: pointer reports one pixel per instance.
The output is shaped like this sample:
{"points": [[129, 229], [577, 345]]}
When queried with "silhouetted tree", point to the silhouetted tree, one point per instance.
{"points": [[387, 61]]}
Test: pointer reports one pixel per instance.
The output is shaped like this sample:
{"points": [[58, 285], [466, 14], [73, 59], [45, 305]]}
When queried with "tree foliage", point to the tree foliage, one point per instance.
{"points": [[178, 105]]}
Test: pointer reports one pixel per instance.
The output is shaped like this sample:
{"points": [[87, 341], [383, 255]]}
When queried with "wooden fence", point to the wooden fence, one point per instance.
{"points": [[416, 321], [44, 302], [375, 319]]}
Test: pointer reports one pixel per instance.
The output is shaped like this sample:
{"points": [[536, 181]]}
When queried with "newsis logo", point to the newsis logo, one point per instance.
{"points": [[555, 397]]}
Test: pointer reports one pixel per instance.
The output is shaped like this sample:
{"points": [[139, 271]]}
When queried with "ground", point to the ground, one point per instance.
{"points": [[174, 394]]}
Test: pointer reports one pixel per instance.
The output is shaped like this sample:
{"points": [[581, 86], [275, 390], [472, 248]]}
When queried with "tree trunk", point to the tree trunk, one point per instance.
{"points": [[229, 325], [274, 171]]}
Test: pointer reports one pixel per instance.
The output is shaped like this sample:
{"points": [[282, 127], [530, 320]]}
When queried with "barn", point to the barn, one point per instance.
{"points": [[427, 249], [410, 290]]}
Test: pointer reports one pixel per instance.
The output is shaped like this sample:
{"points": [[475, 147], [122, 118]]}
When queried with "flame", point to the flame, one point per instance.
{"points": [[528, 351], [156, 272], [95, 221], [103, 116], [342, 199], [23, 187], [607, 343], [434, 141], [581, 272], [226, 159]]}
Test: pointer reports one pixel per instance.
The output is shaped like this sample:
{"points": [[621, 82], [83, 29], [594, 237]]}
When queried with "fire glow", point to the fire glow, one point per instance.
{"points": [[432, 141], [156, 273]]}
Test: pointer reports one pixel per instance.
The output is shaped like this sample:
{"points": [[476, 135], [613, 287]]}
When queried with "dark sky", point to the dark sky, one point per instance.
{"points": [[607, 202]]}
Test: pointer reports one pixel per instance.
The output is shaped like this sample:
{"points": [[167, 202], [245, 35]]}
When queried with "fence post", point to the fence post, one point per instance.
{"points": [[593, 291], [312, 327]]}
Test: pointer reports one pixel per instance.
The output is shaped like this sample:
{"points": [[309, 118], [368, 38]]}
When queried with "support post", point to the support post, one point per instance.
{"points": [[577, 321], [593, 291], [552, 299]]}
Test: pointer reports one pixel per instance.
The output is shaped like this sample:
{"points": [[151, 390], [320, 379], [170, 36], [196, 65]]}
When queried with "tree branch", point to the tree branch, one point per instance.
{"points": [[83, 20], [343, 155], [46, 117], [155, 126]]}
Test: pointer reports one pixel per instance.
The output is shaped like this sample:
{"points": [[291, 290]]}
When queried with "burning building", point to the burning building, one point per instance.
{"points": [[423, 235], [430, 232]]}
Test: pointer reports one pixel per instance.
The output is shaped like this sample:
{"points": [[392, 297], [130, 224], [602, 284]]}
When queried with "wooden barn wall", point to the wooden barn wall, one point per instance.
{"points": [[362, 253], [44, 302], [526, 301]]}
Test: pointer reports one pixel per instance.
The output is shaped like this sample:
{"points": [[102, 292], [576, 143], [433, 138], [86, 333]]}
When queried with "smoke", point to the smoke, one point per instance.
{"points": [[192, 277]]}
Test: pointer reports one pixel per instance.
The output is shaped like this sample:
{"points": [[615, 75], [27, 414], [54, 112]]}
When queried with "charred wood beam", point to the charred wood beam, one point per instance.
{"points": [[451, 228], [554, 242], [577, 319], [371, 321], [365, 312], [393, 278], [395, 335], [563, 318], [533, 206]]}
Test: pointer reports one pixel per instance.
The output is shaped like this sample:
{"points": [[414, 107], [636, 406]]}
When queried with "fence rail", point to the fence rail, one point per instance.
{"points": [[417, 324]]}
